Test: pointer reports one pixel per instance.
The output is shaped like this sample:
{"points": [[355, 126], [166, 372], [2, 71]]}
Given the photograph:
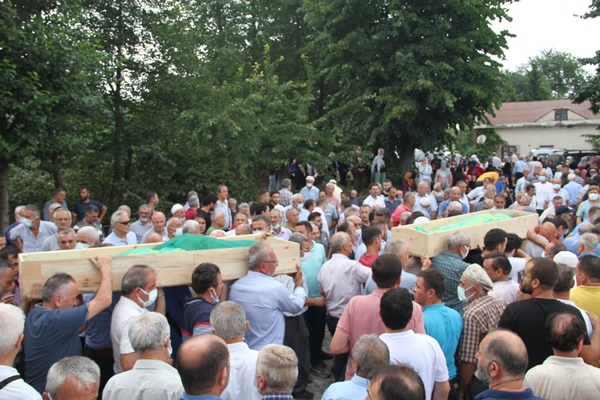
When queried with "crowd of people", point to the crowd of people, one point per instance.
{"points": [[516, 319]]}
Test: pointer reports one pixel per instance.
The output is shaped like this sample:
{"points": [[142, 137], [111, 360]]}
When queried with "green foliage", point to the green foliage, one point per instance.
{"points": [[466, 143], [536, 87]]}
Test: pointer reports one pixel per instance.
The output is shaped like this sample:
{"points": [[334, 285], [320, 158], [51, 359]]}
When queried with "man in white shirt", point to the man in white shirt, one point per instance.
{"points": [[374, 198], [422, 192], [228, 321], [421, 352], [498, 268], [543, 189]]}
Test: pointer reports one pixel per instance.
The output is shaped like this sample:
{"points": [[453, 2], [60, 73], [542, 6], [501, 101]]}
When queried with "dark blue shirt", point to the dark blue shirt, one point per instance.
{"points": [[195, 320], [490, 394]]}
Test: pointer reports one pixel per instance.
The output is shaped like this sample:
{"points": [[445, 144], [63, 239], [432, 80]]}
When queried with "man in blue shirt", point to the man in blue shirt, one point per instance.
{"points": [[51, 329], [264, 299], [368, 354], [203, 365], [310, 192], [442, 323]]}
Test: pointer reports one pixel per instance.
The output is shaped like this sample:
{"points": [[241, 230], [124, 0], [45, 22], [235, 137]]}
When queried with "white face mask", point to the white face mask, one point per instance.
{"points": [[556, 187], [542, 179], [215, 297], [151, 297], [258, 232], [275, 227], [358, 233], [461, 292], [81, 245], [309, 185], [178, 232], [593, 196], [305, 256], [463, 256]]}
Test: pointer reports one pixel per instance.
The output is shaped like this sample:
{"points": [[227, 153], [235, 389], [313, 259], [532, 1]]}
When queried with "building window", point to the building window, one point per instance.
{"points": [[560, 115], [506, 149]]}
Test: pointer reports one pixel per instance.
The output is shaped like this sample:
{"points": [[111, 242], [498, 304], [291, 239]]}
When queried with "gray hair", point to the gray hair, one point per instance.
{"points": [[455, 206], [191, 225], [216, 214], [148, 331], [298, 238], [228, 319], [264, 218], [257, 254], [63, 210], [286, 182], [125, 208], [171, 220], [12, 321], [527, 198], [585, 228], [289, 210], [295, 197], [115, 217], [144, 207], [350, 211], [370, 353], [396, 246], [66, 232], [194, 201], [18, 209], [279, 366], [571, 176], [136, 276], [232, 199], [244, 205], [243, 229], [338, 243], [81, 369], [513, 363], [457, 239], [384, 212], [89, 231], [405, 216], [56, 284], [590, 241], [33, 208], [278, 212]]}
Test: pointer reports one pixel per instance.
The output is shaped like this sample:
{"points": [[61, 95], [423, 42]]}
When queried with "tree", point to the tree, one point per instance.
{"points": [[591, 89], [407, 73], [536, 85]]}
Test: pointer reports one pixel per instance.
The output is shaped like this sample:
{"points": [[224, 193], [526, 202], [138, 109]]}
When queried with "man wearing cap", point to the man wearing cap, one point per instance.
{"points": [[310, 192], [177, 211], [481, 315]]}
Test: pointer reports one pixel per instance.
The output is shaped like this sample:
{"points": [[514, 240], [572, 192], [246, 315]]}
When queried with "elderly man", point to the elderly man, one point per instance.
{"points": [[292, 216], [340, 279], [276, 372], [285, 194], [90, 218], [51, 330], [572, 188], [310, 192], [203, 365], [62, 220], [450, 263], [442, 323], [421, 352], [228, 321], [73, 378], [423, 193], [368, 354], [564, 333], [361, 315], [401, 383], [406, 207], [544, 234], [527, 317], [139, 291], [217, 221], [276, 228], [192, 227], [588, 245], [481, 316], [30, 234], [151, 375], [12, 321], [264, 299], [174, 227], [502, 362], [121, 234], [583, 211], [158, 226], [66, 239], [59, 197], [587, 274], [143, 224], [455, 195]]}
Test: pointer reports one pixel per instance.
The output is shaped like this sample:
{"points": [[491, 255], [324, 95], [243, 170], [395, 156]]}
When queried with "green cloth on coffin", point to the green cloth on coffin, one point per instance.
{"points": [[190, 242], [472, 221]]}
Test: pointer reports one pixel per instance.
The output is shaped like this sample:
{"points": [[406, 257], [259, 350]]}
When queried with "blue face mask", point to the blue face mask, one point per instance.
{"points": [[215, 297], [542, 179], [461, 292]]}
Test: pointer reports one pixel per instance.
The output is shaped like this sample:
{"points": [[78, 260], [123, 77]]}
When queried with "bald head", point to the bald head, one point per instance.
{"points": [[548, 230], [508, 351], [154, 237], [203, 365]]}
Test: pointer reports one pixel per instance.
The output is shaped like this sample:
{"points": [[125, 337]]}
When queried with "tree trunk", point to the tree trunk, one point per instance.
{"points": [[407, 159], [4, 211]]}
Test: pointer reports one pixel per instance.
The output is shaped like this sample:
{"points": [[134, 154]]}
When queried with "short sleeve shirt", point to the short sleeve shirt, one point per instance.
{"points": [[196, 317]]}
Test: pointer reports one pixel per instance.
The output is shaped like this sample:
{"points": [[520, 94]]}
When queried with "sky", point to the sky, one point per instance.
{"points": [[546, 24]]}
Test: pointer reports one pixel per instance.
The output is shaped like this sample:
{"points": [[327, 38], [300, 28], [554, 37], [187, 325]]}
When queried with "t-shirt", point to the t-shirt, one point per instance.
{"points": [[50, 335], [527, 317], [80, 207], [421, 352], [368, 260], [586, 297], [206, 216], [195, 320]]}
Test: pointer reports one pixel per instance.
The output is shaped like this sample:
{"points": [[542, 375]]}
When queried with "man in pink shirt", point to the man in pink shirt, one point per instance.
{"points": [[361, 315], [406, 206]]}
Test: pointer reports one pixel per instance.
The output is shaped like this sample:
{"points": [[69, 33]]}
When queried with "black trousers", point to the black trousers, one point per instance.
{"points": [[314, 317], [104, 359], [296, 338], [339, 360]]}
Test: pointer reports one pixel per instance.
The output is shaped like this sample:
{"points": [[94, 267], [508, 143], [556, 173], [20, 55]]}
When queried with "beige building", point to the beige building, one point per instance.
{"points": [[529, 125]]}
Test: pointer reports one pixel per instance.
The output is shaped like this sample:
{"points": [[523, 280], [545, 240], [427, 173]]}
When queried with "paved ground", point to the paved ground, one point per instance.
{"points": [[318, 384]]}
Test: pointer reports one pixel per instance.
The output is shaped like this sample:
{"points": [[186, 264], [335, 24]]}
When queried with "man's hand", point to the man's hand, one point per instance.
{"points": [[36, 293], [298, 276], [425, 263], [320, 301], [103, 262], [8, 298]]}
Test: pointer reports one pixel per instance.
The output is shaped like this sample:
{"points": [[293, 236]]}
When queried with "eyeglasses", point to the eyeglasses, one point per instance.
{"points": [[276, 262], [124, 222]]}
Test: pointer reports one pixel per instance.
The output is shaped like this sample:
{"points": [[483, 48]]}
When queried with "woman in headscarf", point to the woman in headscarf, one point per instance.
{"points": [[443, 174], [408, 183]]}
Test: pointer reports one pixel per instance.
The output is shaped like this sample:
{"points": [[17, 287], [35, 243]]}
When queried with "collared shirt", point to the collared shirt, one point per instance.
{"points": [[432, 204], [113, 239], [119, 329], [278, 396], [341, 279], [224, 206], [452, 267], [140, 229], [586, 297], [444, 325], [572, 189], [18, 389], [507, 290], [51, 243], [519, 167], [311, 268], [481, 316], [361, 316], [309, 194], [392, 205], [354, 389], [285, 197], [97, 329], [288, 282], [165, 234], [32, 243], [242, 372], [148, 379], [264, 300], [284, 233], [492, 394]]}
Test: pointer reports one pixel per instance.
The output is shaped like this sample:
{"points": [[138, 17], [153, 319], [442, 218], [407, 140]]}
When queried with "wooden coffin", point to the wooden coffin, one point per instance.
{"points": [[422, 244], [172, 268]]}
